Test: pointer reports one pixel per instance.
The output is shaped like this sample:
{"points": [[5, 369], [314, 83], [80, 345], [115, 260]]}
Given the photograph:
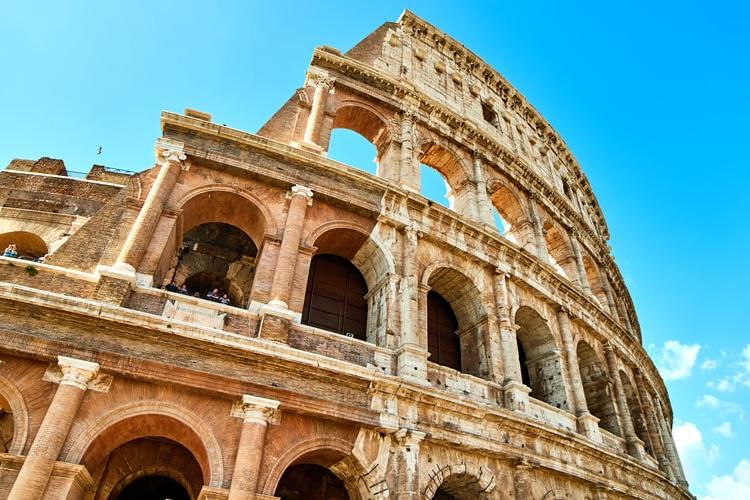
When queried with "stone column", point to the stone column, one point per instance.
{"points": [[635, 446], [515, 393], [323, 86], [255, 413], [610, 296], [582, 278], [36, 470], [588, 424], [148, 217], [536, 222], [409, 441], [669, 446], [652, 427], [301, 198], [412, 354], [484, 206], [408, 177], [522, 481]]}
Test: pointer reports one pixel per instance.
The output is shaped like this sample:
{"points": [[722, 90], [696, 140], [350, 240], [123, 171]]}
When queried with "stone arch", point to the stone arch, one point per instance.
{"points": [[539, 357], [462, 481], [323, 451], [559, 249], [365, 120], [27, 244], [456, 173], [19, 415], [596, 388], [515, 217], [465, 299], [593, 276], [140, 419], [368, 255], [635, 409]]}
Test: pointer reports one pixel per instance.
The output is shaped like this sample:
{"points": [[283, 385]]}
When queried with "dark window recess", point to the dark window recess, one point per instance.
{"points": [[525, 377], [335, 297], [489, 114], [442, 340]]}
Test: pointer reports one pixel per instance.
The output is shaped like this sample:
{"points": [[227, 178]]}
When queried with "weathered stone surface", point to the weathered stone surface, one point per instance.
{"points": [[555, 396]]}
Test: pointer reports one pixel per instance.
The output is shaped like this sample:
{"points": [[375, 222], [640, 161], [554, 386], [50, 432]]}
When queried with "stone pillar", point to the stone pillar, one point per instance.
{"points": [[588, 424], [515, 393], [255, 413], [610, 296], [36, 470], [484, 206], [522, 481], [412, 354], [301, 198], [635, 446], [408, 176], [652, 427], [582, 278], [323, 86], [669, 446], [148, 217], [409, 441], [536, 222]]}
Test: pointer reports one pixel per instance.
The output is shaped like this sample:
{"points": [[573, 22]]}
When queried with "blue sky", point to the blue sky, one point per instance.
{"points": [[652, 98]]}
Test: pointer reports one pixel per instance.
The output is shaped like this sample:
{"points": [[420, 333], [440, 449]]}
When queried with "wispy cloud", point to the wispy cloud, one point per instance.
{"points": [[724, 430], [740, 377], [731, 486], [676, 360], [709, 364], [724, 407]]}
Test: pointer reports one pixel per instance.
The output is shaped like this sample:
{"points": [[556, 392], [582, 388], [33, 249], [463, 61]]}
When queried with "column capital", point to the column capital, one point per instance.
{"points": [[317, 80], [409, 437], [299, 190], [412, 232], [256, 409], [563, 309], [77, 373], [172, 155], [609, 347]]}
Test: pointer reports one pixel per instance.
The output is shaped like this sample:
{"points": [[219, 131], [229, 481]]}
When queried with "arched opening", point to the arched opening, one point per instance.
{"points": [[353, 149], [461, 484], [147, 444], [335, 297], [455, 295], [153, 487], [636, 413], [559, 250], [216, 256], [441, 494], [441, 176], [443, 342], [514, 223], [149, 468], [7, 425], [308, 481], [542, 358], [435, 187], [595, 280], [27, 245], [596, 388]]}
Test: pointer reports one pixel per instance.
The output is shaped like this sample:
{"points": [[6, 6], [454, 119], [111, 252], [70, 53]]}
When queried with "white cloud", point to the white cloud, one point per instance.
{"points": [[708, 401], [731, 486], [724, 429], [709, 364], [723, 385], [676, 360], [724, 407], [693, 451]]}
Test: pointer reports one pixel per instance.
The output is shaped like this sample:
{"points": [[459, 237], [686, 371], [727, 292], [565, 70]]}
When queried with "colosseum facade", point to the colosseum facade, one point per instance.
{"points": [[363, 342]]}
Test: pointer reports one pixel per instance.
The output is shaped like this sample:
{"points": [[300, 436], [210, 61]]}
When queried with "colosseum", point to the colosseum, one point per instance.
{"points": [[250, 319]]}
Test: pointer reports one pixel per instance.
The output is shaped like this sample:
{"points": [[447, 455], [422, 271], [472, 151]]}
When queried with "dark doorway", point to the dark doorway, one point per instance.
{"points": [[441, 494], [154, 488], [310, 482], [335, 297], [442, 341], [525, 377]]}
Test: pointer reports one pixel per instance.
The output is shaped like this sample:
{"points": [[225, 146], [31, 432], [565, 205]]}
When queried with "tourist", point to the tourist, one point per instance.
{"points": [[10, 251], [213, 295], [183, 290], [172, 287], [225, 300]]}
